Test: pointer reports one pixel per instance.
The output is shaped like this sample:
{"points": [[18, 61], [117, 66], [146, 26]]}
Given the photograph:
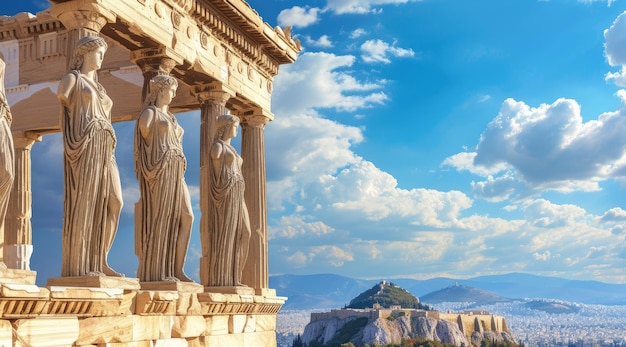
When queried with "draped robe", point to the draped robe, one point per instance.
{"points": [[160, 166], [7, 157], [229, 222], [90, 170]]}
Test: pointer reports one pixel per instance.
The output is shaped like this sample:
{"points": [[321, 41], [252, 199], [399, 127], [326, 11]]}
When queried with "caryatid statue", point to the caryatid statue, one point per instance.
{"points": [[92, 189], [229, 222], [7, 153], [163, 214]]}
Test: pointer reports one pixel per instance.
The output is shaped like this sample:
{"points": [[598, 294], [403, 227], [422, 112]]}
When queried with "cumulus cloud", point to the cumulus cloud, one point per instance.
{"points": [[548, 147], [298, 16], [319, 80], [323, 41], [360, 6], [378, 51], [356, 33], [495, 189], [615, 50]]}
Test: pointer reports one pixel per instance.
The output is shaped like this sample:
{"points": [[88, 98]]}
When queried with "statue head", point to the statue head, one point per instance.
{"points": [[83, 46], [157, 84], [223, 123]]}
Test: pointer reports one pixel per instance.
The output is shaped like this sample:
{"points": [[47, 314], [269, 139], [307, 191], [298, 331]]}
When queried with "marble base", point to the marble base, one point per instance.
{"points": [[16, 276], [95, 282], [230, 290], [176, 286]]}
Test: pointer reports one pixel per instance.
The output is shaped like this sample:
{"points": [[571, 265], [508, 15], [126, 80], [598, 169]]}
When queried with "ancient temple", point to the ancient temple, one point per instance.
{"points": [[225, 58]]}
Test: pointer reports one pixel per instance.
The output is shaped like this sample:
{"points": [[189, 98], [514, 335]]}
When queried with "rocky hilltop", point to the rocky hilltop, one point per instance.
{"points": [[393, 323]]}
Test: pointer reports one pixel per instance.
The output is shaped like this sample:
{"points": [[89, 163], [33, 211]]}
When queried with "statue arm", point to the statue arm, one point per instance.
{"points": [[65, 88], [145, 121], [216, 154]]}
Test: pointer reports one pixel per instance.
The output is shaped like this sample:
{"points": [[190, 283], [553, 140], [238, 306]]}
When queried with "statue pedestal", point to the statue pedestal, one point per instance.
{"points": [[95, 282], [230, 290], [174, 286]]}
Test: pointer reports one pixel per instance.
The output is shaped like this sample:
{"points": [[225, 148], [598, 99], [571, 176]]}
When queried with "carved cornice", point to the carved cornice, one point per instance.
{"points": [[24, 25]]}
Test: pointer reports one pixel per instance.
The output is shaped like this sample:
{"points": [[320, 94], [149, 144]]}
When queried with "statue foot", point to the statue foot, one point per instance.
{"points": [[110, 272], [171, 279], [95, 273], [183, 277]]}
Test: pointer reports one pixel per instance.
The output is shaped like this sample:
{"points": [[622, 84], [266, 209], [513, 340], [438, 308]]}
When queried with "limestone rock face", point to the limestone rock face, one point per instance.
{"points": [[323, 330], [385, 331], [448, 332], [498, 337], [424, 327]]}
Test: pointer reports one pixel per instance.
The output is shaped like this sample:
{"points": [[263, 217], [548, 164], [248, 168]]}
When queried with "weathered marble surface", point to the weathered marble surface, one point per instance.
{"points": [[163, 214], [229, 231], [92, 189]]}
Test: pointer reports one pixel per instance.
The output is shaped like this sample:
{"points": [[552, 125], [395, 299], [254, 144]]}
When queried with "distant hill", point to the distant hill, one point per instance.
{"points": [[461, 293], [334, 291], [386, 295], [319, 291], [551, 306]]}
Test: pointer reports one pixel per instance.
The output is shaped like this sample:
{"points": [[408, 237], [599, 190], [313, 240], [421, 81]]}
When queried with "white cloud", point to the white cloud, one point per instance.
{"points": [[323, 41], [608, 2], [317, 80], [356, 33], [298, 16], [378, 51], [615, 50], [495, 190], [295, 225], [360, 6], [548, 147]]}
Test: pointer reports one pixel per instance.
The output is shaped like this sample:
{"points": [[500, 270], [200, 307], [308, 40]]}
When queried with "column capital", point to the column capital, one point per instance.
{"points": [[82, 15], [160, 59], [25, 139], [256, 117], [213, 92]]}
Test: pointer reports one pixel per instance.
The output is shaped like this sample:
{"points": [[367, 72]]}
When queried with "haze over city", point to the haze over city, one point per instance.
{"points": [[420, 139]]}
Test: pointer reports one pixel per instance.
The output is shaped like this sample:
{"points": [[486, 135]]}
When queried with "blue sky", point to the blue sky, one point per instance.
{"points": [[421, 139]]}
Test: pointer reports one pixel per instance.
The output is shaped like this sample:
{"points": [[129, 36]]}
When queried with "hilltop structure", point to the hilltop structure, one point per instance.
{"points": [[390, 324], [224, 58]]}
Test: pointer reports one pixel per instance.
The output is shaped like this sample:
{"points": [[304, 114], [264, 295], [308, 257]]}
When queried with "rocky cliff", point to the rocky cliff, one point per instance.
{"points": [[377, 330]]}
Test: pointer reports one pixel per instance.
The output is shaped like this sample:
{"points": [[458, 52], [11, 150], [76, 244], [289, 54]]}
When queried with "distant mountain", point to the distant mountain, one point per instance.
{"points": [[461, 293], [318, 291], [551, 306], [385, 294], [334, 291]]}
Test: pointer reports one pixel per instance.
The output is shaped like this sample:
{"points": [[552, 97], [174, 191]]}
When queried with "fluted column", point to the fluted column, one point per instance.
{"points": [[18, 242], [253, 122], [153, 62], [213, 98]]}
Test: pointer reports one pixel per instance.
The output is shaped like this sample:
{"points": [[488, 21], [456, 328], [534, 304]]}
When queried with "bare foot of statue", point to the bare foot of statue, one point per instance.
{"points": [[183, 277], [171, 279], [110, 272]]}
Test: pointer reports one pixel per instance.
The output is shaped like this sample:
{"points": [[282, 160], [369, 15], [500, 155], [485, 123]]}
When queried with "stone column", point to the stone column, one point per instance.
{"points": [[153, 62], [253, 122], [18, 242], [213, 98]]}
